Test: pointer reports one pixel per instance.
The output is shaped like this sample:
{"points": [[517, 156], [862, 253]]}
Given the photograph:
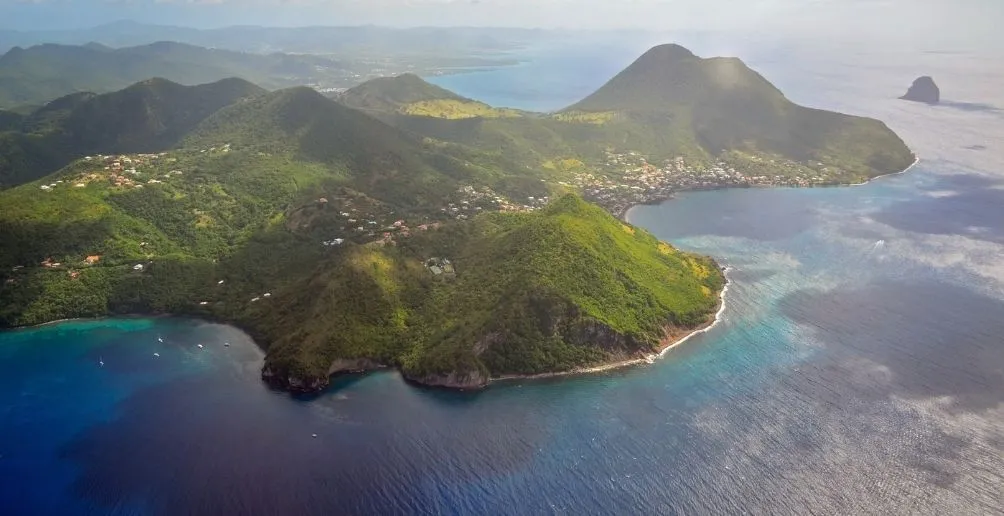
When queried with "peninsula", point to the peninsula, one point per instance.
{"points": [[403, 225]]}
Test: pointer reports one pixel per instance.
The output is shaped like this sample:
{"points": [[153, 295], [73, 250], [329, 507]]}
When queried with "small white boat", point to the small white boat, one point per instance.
{"points": [[314, 436], [101, 362], [160, 339], [156, 354], [226, 344], [200, 346]]}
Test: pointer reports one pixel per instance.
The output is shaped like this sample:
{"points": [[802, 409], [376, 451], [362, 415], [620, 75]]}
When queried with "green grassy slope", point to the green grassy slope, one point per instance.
{"points": [[567, 287], [149, 116]]}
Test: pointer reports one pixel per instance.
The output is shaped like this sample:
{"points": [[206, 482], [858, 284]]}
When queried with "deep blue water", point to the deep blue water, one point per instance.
{"points": [[859, 368]]}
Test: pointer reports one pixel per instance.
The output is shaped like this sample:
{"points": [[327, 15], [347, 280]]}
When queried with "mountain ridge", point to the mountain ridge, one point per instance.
{"points": [[43, 72], [148, 116], [669, 103]]}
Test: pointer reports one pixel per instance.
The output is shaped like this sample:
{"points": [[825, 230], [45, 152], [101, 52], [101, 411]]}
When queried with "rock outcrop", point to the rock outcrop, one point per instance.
{"points": [[923, 90], [294, 383], [456, 380]]}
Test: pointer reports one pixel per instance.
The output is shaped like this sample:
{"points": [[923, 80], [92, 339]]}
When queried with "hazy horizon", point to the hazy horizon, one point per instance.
{"points": [[964, 20]]}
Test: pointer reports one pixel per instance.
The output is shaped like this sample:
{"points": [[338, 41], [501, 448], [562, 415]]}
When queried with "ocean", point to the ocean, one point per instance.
{"points": [[858, 367]]}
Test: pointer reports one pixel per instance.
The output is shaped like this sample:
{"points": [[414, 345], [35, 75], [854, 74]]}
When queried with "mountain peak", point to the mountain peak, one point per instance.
{"points": [[670, 78], [667, 53]]}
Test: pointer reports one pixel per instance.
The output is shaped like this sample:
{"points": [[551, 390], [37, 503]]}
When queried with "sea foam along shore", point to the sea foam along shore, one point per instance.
{"points": [[905, 170], [647, 359]]}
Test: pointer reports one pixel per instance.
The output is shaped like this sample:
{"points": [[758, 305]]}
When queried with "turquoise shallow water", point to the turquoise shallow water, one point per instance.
{"points": [[858, 368]]}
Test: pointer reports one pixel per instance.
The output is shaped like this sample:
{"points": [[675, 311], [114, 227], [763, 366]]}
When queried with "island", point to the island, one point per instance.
{"points": [[923, 90], [401, 225]]}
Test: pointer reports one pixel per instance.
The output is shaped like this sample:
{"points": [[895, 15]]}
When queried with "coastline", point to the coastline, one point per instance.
{"points": [[667, 345], [98, 318], [916, 160], [672, 343], [623, 213]]}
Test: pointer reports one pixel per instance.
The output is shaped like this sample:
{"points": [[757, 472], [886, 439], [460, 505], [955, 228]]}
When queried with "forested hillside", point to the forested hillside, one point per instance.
{"points": [[149, 116]]}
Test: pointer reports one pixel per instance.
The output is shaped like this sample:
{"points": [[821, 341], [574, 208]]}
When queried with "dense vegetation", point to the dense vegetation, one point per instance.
{"points": [[148, 116], [566, 287]]}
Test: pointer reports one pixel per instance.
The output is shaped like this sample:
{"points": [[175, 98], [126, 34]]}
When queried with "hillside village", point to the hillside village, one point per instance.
{"points": [[628, 178], [623, 179]]}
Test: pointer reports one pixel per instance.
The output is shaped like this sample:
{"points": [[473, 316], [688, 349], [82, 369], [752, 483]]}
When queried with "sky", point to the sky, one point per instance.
{"points": [[912, 17]]}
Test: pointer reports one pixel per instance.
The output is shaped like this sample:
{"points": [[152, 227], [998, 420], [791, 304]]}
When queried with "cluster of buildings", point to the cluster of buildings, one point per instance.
{"points": [[627, 179], [119, 170], [472, 201], [124, 170], [440, 267]]}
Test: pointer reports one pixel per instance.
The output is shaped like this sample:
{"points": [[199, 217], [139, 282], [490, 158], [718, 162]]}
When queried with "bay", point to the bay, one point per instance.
{"points": [[858, 367]]}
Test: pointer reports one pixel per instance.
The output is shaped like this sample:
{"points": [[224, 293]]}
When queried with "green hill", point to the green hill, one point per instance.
{"points": [[44, 72], [146, 117], [568, 287], [668, 103], [367, 154], [720, 105], [408, 94], [389, 94]]}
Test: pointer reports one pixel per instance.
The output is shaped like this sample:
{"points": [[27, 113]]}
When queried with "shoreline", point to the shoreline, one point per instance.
{"points": [[95, 319], [916, 160], [665, 346], [647, 359], [622, 215]]}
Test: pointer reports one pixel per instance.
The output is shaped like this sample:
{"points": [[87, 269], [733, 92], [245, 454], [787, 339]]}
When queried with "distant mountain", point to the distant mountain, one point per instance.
{"points": [[362, 40], [923, 90], [41, 73], [719, 104], [149, 116]]}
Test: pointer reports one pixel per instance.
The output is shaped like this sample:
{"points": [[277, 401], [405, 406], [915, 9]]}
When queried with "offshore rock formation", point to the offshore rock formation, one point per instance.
{"points": [[923, 90]]}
